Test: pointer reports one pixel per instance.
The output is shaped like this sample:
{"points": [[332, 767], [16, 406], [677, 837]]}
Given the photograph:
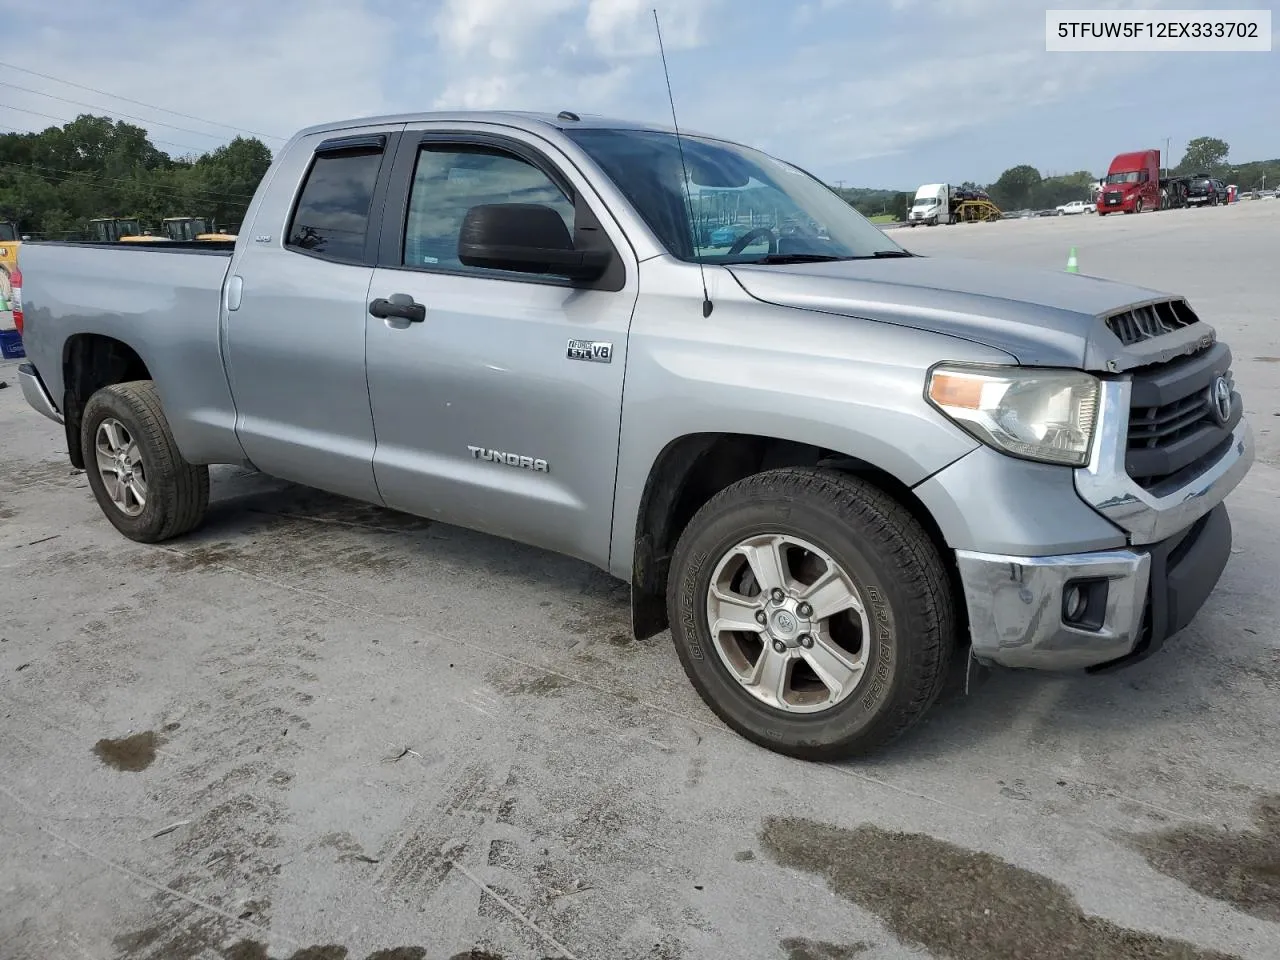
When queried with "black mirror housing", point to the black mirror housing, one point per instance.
{"points": [[526, 238]]}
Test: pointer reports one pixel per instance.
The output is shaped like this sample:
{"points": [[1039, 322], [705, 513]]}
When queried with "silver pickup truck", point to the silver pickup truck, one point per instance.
{"points": [[825, 463]]}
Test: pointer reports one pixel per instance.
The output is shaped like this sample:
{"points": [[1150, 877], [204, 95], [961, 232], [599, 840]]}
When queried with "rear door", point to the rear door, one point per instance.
{"points": [[295, 314], [499, 411]]}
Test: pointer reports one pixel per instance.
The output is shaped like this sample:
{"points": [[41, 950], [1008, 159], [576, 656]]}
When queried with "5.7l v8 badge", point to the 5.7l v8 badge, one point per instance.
{"points": [[593, 351]]}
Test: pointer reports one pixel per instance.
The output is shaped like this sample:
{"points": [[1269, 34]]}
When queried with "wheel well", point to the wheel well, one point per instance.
{"points": [[90, 362], [693, 469]]}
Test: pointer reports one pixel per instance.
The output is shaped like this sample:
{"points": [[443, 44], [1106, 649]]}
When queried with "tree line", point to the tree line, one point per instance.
{"points": [[52, 183]]}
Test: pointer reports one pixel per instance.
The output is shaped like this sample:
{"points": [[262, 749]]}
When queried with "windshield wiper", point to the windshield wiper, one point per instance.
{"points": [[797, 258], [885, 254]]}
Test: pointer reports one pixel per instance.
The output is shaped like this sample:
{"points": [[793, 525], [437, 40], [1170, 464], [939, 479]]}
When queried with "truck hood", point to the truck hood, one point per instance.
{"points": [[1042, 318]]}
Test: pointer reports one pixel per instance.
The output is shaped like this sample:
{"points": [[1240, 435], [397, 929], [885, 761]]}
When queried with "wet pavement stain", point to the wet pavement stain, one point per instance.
{"points": [[798, 948], [1241, 868], [128, 754], [164, 941], [254, 950], [960, 904]]}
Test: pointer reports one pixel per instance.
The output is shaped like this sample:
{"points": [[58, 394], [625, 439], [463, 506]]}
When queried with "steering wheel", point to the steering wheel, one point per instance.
{"points": [[744, 241]]}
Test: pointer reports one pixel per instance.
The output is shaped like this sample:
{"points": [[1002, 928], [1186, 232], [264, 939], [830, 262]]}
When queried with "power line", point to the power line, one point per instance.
{"points": [[142, 185], [140, 103], [64, 120], [98, 106]]}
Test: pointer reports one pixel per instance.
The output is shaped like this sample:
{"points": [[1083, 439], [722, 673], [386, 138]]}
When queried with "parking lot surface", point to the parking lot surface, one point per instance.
{"points": [[317, 729]]}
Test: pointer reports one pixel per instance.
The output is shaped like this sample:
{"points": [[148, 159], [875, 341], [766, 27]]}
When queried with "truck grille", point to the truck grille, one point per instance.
{"points": [[1175, 431], [1150, 321], [1111, 197]]}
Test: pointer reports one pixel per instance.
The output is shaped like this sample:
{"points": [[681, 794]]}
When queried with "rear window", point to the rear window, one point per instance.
{"points": [[332, 217]]}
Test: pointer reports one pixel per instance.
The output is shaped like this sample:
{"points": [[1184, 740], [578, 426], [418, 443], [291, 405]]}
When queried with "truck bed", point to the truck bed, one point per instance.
{"points": [[164, 300]]}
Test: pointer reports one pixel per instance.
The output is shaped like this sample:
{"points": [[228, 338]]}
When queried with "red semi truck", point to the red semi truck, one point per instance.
{"points": [[1132, 184]]}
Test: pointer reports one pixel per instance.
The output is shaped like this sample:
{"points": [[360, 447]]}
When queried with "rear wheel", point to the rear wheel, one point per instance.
{"points": [[811, 612], [140, 480]]}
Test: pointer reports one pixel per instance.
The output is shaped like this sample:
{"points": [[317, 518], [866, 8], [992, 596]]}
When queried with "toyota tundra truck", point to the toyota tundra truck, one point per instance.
{"points": [[826, 464]]}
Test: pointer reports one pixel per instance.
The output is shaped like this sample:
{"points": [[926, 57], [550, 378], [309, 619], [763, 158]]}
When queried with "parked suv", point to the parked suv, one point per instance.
{"points": [[1206, 191]]}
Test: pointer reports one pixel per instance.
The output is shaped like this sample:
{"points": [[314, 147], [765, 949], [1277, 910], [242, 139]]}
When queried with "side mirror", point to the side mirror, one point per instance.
{"points": [[527, 238]]}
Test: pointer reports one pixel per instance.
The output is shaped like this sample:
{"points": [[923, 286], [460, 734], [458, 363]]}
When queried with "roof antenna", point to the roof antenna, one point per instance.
{"points": [[684, 170]]}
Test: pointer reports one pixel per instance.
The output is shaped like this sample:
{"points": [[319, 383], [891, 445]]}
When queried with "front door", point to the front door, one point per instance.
{"points": [[497, 408], [295, 317]]}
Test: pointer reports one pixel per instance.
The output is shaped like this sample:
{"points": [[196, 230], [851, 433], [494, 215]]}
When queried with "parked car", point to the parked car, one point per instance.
{"points": [[828, 466], [1205, 191], [1074, 207]]}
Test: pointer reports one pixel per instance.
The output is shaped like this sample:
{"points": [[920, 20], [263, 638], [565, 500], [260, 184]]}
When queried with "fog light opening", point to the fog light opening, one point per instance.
{"points": [[1084, 603], [1073, 604]]}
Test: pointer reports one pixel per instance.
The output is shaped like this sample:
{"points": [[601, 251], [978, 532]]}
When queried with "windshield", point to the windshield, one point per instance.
{"points": [[925, 201], [8, 231], [735, 194], [1130, 176]]}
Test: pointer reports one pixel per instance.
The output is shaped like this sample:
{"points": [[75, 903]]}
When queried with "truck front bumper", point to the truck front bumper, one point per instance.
{"points": [[1097, 610]]}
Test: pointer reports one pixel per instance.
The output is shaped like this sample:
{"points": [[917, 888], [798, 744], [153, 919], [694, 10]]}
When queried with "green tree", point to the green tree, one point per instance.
{"points": [[1016, 187], [1204, 155], [55, 181]]}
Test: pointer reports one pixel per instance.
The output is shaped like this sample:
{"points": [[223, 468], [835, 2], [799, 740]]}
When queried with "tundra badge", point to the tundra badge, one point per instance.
{"points": [[593, 351], [509, 459]]}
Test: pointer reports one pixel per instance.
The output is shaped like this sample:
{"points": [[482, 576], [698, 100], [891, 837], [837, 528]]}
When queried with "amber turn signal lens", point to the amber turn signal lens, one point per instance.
{"points": [[956, 390]]}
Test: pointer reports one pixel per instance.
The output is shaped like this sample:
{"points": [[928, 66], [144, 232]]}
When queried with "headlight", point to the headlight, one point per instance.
{"points": [[1045, 415]]}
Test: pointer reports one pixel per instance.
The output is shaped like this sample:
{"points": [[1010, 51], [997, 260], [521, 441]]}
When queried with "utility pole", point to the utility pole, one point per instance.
{"points": [[1168, 165]]}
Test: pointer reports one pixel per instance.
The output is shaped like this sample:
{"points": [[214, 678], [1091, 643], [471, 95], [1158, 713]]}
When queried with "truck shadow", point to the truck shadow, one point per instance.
{"points": [[267, 524]]}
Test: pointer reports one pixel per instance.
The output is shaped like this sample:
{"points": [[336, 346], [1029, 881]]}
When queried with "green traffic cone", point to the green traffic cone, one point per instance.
{"points": [[1072, 266]]}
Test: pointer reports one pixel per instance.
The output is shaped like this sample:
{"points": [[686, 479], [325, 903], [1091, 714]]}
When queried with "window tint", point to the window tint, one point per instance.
{"points": [[450, 180], [333, 213]]}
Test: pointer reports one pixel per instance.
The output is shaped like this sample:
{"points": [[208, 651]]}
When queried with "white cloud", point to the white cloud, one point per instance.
{"points": [[824, 82], [270, 68], [552, 54], [846, 101]]}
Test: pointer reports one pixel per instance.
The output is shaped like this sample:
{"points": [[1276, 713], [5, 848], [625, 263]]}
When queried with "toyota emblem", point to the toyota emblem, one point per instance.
{"points": [[1220, 400]]}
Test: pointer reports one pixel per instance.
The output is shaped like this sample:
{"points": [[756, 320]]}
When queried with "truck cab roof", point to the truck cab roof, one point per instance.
{"points": [[522, 119]]}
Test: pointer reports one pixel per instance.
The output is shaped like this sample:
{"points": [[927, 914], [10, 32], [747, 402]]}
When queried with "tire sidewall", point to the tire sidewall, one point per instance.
{"points": [[108, 404], [887, 656]]}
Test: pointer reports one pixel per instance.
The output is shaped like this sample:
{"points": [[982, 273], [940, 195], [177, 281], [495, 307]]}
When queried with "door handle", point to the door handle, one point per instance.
{"points": [[399, 305]]}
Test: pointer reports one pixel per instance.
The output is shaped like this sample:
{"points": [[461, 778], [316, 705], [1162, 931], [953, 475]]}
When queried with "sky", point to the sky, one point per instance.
{"points": [[875, 93]]}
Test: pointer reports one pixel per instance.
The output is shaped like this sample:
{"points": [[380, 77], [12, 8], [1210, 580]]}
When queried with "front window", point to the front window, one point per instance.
{"points": [[1130, 176], [451, 179], [741, 205], [926, 201], [8, 231]]}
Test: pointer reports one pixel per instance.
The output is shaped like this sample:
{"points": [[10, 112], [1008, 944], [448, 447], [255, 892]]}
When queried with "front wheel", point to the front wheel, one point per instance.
{"points": [[140, 480], [811, 612], [1137, 207]]}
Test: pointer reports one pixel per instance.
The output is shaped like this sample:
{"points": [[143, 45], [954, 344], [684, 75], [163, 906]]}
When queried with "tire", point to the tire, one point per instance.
{"points": [[176, 492], [880, 550], [1137, 207]]}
